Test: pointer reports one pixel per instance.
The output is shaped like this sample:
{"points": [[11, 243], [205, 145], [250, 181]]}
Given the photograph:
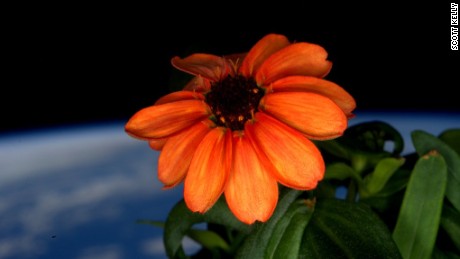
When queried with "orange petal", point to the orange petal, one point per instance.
{"points": [[297, 59], [298, 162], [160, 121], [179, 96], [316, 85], [158, 143], [198, 84], [316, 116], [209, 170], [209, 66], [263, 49], [177, 153], [252, 190]]}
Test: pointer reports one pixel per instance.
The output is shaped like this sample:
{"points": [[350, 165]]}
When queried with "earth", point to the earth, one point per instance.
{"points": [[76, 192]]}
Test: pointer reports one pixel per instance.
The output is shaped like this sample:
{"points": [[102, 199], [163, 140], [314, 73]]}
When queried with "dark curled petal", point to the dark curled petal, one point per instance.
{"points": [[371, 136]]}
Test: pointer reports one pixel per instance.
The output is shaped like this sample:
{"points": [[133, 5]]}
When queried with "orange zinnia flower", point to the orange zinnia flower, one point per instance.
{"points": [[240, 128]]}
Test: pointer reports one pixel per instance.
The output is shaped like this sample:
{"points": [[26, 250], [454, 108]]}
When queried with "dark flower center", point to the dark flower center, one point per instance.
{"points": [[233, 101]]}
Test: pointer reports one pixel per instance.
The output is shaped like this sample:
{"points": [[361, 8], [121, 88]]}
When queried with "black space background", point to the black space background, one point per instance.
{"points": [[64, 65]]}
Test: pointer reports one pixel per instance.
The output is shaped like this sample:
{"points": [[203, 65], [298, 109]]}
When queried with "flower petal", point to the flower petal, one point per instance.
{"points": [[209, 170], [179, 96], [160, 121], [157, 143], [316, 85], [209, 66], [316, 116], [297, 59], [252, 190], [178, 151], [263, 49], [298, 162], [198, 84]]}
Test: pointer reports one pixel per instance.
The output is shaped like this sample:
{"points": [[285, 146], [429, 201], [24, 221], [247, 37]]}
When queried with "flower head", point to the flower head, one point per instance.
{"points": [[243, 125]]}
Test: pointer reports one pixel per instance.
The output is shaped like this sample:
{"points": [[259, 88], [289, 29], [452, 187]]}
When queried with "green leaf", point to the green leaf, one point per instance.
{"points": [[340, 229], [439, 254], [424, 143], [292, 236], [256, 243], [335, 148], [390, 197], [287, 233], [418, 220], [387, 207], [280, 228], [178, 223], [397, 182], [181, 219], [208, 239], [341, 171], [221, 214], [450, 222], [452, 138], [375, 181]]}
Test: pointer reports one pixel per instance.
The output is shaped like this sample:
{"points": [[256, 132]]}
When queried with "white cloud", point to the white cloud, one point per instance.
{"points": [[102, 252], [64, 180], [21, 245], [51, 210], [155, 247]]}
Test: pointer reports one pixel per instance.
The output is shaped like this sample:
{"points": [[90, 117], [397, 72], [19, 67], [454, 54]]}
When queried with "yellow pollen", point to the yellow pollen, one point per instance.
{"points": [[255, 90], [222, 119], [240, 118]]}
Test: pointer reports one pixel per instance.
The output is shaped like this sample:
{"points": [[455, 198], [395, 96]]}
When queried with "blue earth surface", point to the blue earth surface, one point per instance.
{"points": [[76, 192]]}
